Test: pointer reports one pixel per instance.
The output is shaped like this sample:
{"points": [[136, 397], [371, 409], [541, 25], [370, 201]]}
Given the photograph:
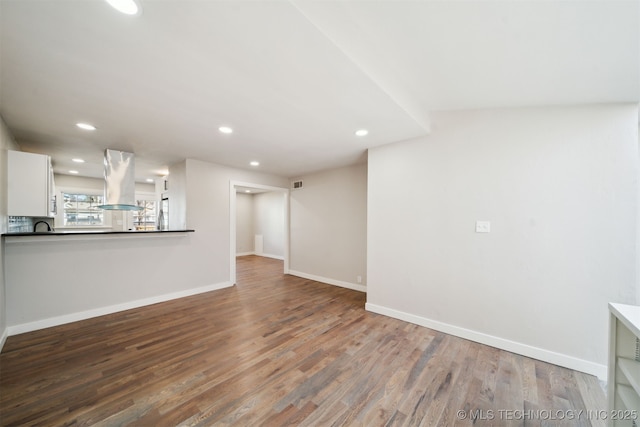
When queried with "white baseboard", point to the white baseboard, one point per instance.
{"points": [[353, 286], [3, 338], [564, 360], [83, 315], [281, 258]]}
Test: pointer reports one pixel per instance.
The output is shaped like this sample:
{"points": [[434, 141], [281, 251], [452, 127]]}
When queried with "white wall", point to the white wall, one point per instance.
{"points": [[560, 187], [208, 211], [79, 277], [329, 227], [268, 214], [110, 274], [7, 142], [244, 224]]}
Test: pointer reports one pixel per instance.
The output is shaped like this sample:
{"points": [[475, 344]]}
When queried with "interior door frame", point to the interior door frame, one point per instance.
{"points": [[232, 223]]}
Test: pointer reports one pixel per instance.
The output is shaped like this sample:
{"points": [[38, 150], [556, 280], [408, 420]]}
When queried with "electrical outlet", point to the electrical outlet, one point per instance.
{"points": [[483, 226], [359, 279]]}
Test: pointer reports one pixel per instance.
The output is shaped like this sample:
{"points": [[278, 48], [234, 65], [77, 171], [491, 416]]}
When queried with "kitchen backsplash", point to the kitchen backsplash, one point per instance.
{"points": [[20, 224], [24, 224]]}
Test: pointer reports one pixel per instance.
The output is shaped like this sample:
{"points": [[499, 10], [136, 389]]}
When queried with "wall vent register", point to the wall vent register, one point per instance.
{"points": [[296, 185]]}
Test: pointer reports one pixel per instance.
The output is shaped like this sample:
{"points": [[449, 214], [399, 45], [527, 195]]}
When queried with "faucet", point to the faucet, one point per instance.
{"points": [[35, 226]]}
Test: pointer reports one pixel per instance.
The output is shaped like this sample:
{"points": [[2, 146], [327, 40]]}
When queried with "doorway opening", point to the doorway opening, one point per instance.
{"points": [[269, 215]]}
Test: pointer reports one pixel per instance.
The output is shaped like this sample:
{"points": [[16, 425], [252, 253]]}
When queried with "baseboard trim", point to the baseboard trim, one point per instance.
{"points": [[353, 286], [3, 338], [559, 359], [88, 314], [281, 258]]}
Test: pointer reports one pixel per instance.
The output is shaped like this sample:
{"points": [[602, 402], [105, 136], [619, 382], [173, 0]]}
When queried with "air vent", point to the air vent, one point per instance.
{"points": [[296, 185]]}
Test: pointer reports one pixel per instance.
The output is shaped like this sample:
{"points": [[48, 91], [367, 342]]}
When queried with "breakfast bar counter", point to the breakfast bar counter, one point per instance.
{"points": [[85, 234]]}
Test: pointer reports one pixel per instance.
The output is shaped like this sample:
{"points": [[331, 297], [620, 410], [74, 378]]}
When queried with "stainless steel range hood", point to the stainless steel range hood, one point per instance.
{"points": [[119, 181]]}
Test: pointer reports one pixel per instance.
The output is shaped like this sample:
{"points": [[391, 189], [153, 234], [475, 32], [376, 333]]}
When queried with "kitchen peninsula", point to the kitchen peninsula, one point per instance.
{"points": [[55, 278]]}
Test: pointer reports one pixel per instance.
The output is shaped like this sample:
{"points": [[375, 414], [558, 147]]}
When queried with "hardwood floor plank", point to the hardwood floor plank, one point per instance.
{"points": [[273, 350]]}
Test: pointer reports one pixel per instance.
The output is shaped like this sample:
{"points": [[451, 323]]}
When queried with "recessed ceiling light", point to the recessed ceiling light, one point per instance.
{"points": [[86, 126], [254, 163], [225, 129], [149, 180], [77, 160], [362, 132], [74, 172], [128, 7]]}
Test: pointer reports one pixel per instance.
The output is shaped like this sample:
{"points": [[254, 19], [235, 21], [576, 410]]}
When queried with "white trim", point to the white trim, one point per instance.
{"points": [[353, 286], [232, 232], [515, 347], [88, 314], [245, 253], [3, 338], [280, 257]]}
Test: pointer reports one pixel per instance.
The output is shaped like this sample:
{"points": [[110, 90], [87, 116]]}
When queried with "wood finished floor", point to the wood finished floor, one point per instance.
{"points": [[276, 350]]}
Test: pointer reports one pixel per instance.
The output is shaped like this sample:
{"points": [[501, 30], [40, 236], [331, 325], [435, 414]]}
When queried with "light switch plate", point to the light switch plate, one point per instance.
{"points": [[483, 226]]}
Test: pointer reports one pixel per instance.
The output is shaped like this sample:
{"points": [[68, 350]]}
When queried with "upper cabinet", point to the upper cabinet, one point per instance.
{"points": [[31, 190]]}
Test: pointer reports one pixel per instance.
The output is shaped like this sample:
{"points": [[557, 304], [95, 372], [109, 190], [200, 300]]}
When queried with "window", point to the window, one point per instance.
{"points": [[145, 219], [82, 210]]}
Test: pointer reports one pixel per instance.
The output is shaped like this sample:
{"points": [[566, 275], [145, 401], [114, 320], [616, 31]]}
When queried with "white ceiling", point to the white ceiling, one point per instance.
{"points": [[294, 79]]}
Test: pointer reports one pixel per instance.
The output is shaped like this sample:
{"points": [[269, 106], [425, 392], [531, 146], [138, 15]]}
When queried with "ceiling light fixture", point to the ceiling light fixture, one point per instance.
{"points": [[362, 132], [247, 191], [149, 180], [74, 172], [225, 129], [77, 160], [86, 126], [254, 163], [128, 7]]}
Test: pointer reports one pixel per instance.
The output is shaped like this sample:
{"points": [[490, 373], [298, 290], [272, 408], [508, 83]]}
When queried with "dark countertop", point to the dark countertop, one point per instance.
{"points": [[90, 232]]}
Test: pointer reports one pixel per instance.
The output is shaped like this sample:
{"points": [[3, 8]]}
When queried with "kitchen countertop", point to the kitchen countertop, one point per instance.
{"points": [[91, 232]]}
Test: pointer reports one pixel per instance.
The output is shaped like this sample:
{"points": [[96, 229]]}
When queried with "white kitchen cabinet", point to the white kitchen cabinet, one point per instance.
{"points": [[31, 190], [624, 365]]}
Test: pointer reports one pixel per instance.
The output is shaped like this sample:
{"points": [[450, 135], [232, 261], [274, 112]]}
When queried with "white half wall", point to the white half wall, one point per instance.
{"points": [[7, 142], [560, 189], [329, 225], [54, 279]]}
